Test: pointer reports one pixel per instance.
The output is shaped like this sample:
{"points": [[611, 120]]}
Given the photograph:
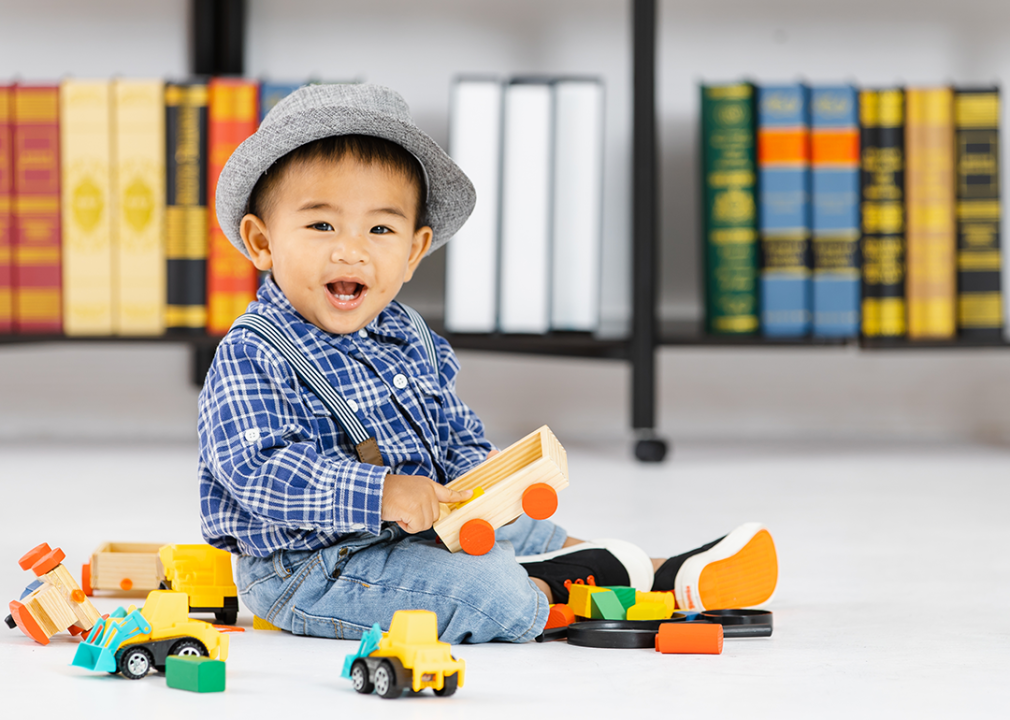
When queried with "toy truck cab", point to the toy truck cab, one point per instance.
{"points": [[410, 656], [132, 641], [204, 573]]}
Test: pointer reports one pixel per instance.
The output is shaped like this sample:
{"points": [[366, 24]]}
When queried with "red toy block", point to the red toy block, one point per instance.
{"points": [[689, 638], [560, 616]]}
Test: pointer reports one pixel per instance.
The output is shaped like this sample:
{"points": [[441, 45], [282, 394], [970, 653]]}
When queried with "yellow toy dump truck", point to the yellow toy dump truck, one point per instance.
{"points": [[409, 656], [204, 573], [132, 641]]}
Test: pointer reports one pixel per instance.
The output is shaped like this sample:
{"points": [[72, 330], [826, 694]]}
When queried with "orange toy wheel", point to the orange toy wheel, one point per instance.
{"points": [[476, 537], [26, 621], [540, 501], [34, 555], [86, 579], [48, 562]]}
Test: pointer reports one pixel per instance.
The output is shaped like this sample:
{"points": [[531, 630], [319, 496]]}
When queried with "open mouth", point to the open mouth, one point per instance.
{"points": [[345, 290]]}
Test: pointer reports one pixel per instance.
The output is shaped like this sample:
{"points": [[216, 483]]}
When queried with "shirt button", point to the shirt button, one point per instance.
{"points": [[252, 435], [362, 333], [352, 405], [400, 380]]}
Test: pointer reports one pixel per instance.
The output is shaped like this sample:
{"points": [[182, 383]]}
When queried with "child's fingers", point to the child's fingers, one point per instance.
{"points": [[445, 495]]}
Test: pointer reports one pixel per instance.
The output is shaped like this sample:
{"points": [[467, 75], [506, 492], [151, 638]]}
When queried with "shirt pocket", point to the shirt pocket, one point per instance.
{"points": [[365, 403]]}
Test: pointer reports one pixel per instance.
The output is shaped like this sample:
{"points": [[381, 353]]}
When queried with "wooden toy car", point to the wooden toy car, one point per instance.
{"points": [[525, 477], [123, 566], [410, 656], [53, 602], [132, 641]]}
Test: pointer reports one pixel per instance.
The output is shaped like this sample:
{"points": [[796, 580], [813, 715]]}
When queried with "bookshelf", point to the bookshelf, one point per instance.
{"points": [[218, 37]]}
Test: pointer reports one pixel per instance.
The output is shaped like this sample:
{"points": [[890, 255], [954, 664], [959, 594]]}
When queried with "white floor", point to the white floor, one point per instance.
{"points": [[894, 594]]}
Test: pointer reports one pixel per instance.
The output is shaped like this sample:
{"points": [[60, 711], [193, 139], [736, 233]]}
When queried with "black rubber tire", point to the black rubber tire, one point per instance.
{"points": [[385, 681], [651, 451], [449, 684], [189, 647], [10, 622], [359, 677], [226, 617], [135, 662]]}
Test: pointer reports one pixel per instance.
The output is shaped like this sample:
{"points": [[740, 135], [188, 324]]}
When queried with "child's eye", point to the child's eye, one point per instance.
{"points": [[322, 226], [380, 230]]}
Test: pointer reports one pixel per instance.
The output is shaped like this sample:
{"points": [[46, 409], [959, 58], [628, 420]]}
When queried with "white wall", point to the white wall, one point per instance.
{"points": [[142, 390]]}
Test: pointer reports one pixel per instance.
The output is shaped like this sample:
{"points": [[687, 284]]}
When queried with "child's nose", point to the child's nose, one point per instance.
{"points": [[349, 248]]}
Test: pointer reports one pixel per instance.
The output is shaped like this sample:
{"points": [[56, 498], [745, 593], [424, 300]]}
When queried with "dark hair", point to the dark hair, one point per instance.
{"points": [[366, 149]]}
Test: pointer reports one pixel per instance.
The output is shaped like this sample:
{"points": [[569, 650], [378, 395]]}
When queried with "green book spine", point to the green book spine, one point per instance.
{"points": [[979, 298], [729, 211]]}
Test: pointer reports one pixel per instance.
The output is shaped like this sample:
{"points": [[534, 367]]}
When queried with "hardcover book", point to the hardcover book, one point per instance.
{"points": [[186, 206], [86, 153], [526, 208], [834, 150], [37, 275], [6, 202], [272, 92], [882, 114], [729, 208], [783, 137], [139, 217], [979, 261], [233, 112], [931, 231], [475, 143]]}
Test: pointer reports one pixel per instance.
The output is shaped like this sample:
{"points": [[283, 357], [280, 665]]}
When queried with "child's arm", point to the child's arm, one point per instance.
{"points": [[412, 501]]}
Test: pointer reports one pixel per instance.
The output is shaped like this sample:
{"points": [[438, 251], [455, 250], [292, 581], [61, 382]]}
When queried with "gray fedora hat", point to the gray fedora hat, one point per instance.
{"points": [[319, 111]]}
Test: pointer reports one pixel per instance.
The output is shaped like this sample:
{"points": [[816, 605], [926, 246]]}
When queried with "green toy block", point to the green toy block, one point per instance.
{"points": [[191, 672], [606, 606], [625, 594]]}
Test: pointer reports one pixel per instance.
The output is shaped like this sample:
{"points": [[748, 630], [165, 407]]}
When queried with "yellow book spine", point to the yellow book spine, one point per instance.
{"points": [[85, 153], [139, 221]]}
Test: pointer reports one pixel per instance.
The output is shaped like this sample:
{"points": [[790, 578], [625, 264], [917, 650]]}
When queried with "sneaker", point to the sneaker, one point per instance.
{"points": [[737, 571], [609, 562]]}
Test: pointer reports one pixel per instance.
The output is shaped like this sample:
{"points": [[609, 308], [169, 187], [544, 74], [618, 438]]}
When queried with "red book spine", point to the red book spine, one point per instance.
{"points": [[6, 202], [233, 115], [36, 247]]}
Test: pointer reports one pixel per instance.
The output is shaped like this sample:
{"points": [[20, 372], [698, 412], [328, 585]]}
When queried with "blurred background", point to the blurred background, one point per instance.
{"points": [[144, 391]]}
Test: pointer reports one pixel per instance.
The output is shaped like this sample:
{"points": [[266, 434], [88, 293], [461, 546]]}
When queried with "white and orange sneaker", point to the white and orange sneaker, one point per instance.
{"points": [[739, 571]]}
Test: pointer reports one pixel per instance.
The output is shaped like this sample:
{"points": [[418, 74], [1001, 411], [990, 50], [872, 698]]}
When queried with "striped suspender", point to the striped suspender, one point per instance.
{"points": [[364, 443]]}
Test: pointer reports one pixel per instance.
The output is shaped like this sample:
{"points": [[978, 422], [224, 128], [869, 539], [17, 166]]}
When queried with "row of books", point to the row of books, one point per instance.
{"points": [[107, 222], [835, 211], [528, 260]]}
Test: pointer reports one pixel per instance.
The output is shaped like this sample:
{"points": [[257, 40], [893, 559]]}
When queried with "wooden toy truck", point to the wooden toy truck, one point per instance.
{"points": [[123, 566], [525, 477]]}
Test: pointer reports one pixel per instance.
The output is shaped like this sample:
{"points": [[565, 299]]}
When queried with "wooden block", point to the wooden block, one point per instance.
{"points": [[666, 598], [194, 673], [579, 601], [261, 624], [627, 595], [648, 611], [690, 638], [127, 566], [537, 458], [605, 606]]}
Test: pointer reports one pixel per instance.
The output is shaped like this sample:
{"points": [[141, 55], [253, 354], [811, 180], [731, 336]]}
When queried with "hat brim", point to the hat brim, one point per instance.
{"points": [[451, 195]]}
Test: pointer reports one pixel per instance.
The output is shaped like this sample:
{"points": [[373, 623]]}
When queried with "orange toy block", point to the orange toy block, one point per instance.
{"points": [[560, 616], [648, 611], [579, 600], [689, 638]]}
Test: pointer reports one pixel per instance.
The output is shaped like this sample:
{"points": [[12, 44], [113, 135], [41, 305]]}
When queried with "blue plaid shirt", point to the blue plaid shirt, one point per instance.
{"points": [[277, 471]]}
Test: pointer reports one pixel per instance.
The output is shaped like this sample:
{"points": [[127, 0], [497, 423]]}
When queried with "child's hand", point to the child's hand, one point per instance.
{"points": [[412, 501]]}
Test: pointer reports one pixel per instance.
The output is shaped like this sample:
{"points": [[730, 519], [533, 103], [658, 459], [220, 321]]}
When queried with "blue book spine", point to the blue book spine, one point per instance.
{"points": [[834, 139], [272, 93], [784, 209]]}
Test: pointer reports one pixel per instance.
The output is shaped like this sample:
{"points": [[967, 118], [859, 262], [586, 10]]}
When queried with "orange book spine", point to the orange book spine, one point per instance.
{"points": [[233, 115], [6, 201], [36, 247], [931, 231]]}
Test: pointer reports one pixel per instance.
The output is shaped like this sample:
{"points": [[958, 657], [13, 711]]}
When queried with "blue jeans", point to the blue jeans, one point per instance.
{"points": [[340, 591]]}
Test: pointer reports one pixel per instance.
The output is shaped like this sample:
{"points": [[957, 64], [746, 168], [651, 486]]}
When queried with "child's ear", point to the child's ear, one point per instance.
{"points": [[256, 241], [418, 249]]}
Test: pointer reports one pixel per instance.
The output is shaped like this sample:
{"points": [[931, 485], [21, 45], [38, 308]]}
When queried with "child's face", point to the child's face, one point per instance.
{"points": [[340, 240]]}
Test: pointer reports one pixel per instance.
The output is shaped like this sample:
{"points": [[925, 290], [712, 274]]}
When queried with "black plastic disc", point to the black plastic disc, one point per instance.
{"points": [[737, 617], [618, 633]]}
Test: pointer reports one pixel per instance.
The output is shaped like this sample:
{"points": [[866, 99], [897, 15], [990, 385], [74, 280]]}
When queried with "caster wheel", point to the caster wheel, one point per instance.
{"points": [[652, 451]]}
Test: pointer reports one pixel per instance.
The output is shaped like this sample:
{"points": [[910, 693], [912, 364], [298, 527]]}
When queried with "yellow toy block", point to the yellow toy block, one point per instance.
{"points": [[667, 598], [579, 601], [261, 624], [648, 611]]}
